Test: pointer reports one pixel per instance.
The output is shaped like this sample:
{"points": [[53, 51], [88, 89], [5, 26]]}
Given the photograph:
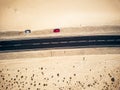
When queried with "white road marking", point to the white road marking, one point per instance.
{"points": [[73, 41], [110, 40], [36, 44], [118, 40], [54, 42], [92, 41], [17, 45], [63, 42], [81, 41], [77, 41], [100, 40], [45, 43]]}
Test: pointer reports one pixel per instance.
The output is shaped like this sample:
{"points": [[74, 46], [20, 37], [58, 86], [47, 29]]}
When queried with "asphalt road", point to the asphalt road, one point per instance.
{"points": [[63, 42]]}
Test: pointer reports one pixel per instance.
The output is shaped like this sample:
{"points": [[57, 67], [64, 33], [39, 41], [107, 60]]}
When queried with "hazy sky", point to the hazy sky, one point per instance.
{"points": [[45, 14]]}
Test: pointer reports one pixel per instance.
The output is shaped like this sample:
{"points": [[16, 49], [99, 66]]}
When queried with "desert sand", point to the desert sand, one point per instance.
{"points": [[78, 72], [59, 69], [64, 32], [77, 69], [18, 15]]}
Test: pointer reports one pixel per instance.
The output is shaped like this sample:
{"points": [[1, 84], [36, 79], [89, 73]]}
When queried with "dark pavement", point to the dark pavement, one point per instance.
{"points": [[61, 42]]}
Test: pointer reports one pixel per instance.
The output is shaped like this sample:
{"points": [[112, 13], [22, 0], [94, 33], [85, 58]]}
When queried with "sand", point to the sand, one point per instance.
{"points": [[78, 72], [64, 32], [18, 15]]}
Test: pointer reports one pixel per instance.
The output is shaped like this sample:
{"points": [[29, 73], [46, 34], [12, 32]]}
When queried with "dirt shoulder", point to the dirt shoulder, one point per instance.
{"points": [[81, 31], [58, 53]]}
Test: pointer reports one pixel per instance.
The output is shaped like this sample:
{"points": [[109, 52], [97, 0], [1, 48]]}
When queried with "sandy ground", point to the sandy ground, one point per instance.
{"points": [[78, 72], [72, 69], [18, 15], [65, 32], [58, 52], [65, 69]]}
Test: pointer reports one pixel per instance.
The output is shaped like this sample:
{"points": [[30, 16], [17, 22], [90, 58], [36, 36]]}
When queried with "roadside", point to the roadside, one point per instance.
{"points": [[58, 53], [65, 32]]}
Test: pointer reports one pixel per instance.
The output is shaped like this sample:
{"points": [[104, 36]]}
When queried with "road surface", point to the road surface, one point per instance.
{"points": [[61, 42]]}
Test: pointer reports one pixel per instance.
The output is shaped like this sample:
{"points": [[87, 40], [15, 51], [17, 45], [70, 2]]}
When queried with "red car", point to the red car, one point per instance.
{"points": [[57, 30]]}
